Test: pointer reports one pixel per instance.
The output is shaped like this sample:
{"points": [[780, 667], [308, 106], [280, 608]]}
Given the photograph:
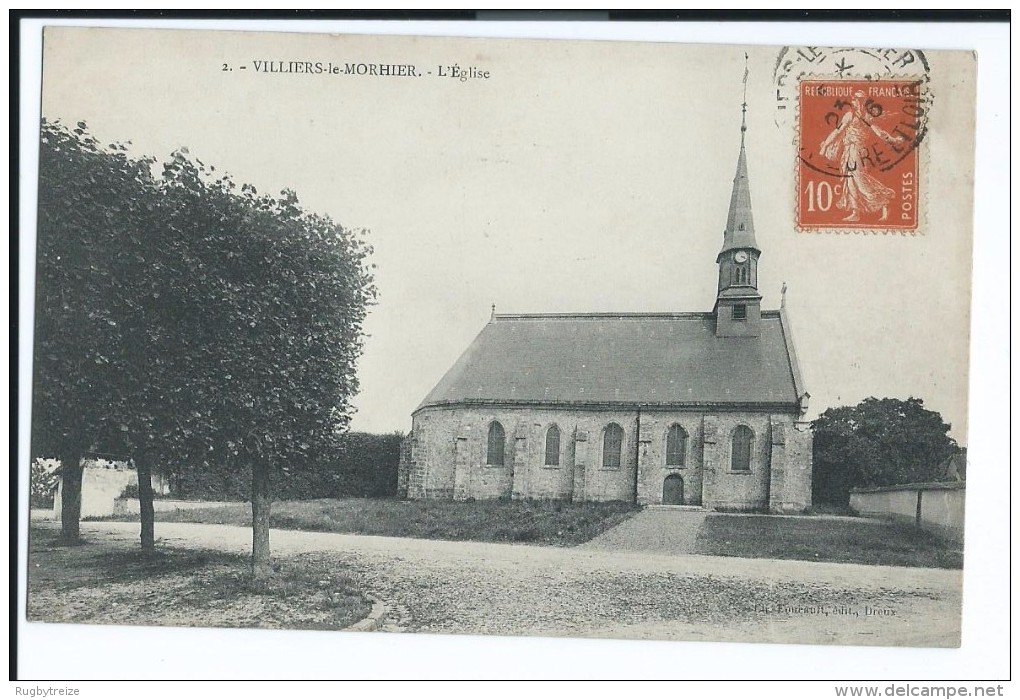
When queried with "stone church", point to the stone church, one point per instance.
{"points": [[686, 408]]}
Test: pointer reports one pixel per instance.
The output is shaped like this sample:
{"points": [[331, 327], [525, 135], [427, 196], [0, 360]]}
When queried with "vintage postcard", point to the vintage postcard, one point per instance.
{"points": [[549, 338]]}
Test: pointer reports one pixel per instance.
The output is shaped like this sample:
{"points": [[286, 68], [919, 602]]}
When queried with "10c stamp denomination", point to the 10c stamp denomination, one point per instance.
{"points": [[858, 147]]}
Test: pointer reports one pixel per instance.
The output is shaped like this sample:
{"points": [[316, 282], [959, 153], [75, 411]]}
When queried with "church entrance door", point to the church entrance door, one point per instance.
{"points": [[673, 490]]}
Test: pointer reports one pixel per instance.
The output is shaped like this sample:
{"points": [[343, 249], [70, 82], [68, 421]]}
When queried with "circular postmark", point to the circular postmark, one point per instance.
{"points": [[908, 68]]}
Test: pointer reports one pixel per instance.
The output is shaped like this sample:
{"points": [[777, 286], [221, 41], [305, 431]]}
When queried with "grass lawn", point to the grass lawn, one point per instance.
{"points": [[536, 522], [114, 582], [824, 539]]}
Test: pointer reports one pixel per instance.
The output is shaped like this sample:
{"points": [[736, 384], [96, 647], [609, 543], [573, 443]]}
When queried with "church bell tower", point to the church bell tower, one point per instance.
{"points": [[738, 303]]}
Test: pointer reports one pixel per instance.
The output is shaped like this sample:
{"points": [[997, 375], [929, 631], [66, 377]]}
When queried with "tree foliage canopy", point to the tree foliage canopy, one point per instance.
{"points": [[94, 202], [878, 442], [187, 316], [267, 307]]}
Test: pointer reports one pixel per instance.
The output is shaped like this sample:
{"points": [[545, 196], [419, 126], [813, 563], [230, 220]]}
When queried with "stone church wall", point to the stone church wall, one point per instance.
{"points": [[795, 494], [447, 454], [725, 487], [654, 470]]}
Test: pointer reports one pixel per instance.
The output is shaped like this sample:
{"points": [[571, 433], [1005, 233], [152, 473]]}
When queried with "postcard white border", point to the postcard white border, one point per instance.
{"points": [[48, 651]]}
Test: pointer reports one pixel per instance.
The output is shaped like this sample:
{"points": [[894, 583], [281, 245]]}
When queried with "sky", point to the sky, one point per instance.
{"points": [[579, 176]]}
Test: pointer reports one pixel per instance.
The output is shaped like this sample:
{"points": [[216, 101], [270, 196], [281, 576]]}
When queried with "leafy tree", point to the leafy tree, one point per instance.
{"points": [[42, 483], [878, 442], [262, 308], [196, 324], [92, 199]]}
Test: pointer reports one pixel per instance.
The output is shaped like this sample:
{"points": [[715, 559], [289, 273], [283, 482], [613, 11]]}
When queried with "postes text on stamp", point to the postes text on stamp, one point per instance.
{"points": [[858, 154]]}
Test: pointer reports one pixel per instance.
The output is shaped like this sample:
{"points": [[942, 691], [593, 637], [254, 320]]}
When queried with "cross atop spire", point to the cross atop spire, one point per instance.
{"points": [[743, 104]]}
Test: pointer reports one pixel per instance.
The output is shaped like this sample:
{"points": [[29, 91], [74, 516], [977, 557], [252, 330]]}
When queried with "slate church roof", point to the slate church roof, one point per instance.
{"points": [[668, 359]]}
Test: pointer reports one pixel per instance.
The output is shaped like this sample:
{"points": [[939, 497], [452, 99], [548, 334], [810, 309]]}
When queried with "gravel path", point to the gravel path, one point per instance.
{"points": [[485, 588], [653, 530]]}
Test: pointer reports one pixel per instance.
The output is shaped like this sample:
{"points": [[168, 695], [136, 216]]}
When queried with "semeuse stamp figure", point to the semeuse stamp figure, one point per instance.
{"points": [[847, 147]]}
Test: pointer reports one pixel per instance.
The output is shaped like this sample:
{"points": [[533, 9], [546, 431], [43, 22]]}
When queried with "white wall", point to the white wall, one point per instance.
{"points": [[100, 486], [942, 506]]}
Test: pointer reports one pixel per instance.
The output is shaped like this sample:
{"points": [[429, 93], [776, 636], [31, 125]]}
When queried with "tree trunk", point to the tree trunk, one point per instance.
{"points": [[260, 505], [145, 508], [71, 471]]}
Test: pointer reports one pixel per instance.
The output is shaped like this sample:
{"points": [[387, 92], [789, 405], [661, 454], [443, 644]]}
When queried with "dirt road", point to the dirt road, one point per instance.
{"points": [[484, 588]]}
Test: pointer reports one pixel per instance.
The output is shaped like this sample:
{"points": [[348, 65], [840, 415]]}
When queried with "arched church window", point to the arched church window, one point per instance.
{"points": [[676, 446], [497, 441], [743, 440], [552, 446], [612, 446]]}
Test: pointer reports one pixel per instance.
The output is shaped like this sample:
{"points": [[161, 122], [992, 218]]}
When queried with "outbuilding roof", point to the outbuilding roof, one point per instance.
{"points": [[668, 359]]}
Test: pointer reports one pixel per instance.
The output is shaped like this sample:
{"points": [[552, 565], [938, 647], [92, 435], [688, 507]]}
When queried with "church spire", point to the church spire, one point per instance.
{"points": [[740, 223], [739, 231], [738, 303]]}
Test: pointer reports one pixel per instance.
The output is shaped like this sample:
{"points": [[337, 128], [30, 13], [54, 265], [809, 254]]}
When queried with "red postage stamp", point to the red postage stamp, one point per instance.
{"points": [[858, 158]]}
